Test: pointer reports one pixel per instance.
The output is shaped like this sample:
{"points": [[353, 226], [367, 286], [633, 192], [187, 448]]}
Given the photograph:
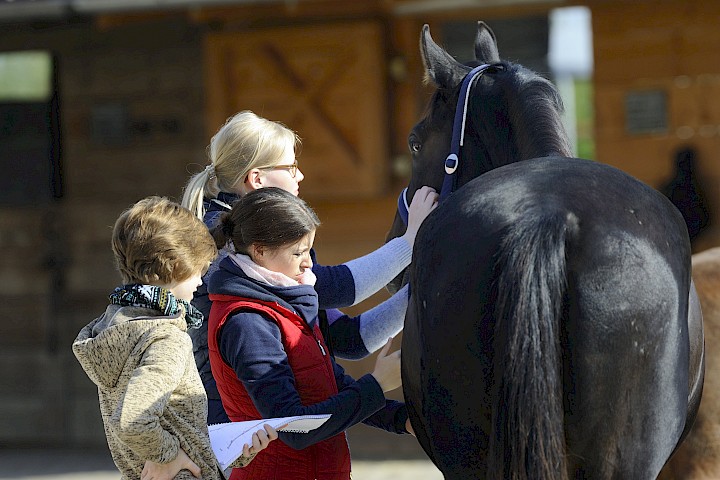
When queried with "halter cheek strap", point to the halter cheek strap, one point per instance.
{"points": [[458, 137], [403, 205]]}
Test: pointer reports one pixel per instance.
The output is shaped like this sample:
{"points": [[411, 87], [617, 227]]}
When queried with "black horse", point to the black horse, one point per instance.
{"points": [[553, 330]]}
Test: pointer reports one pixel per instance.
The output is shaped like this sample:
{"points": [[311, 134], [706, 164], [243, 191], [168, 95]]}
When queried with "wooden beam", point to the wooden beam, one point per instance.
{"points": [[271, 14], [114, 20]]}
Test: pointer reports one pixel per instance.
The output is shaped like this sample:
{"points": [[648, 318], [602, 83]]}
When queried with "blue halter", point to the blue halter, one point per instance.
{"points": [[458, 136]]}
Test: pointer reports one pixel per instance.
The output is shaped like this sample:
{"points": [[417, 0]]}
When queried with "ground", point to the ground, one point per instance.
{"points": [[96, 465], [376, 456]]}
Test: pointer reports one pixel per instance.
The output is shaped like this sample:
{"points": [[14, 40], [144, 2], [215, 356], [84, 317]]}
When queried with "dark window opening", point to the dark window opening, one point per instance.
{"points": [[29, 129]]}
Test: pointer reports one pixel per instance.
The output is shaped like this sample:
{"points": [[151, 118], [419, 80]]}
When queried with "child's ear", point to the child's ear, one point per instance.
{"points": [[258, 250]]}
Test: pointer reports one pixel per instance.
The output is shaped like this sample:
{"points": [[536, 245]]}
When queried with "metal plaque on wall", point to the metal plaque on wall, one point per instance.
{"points": [[646, 112]]}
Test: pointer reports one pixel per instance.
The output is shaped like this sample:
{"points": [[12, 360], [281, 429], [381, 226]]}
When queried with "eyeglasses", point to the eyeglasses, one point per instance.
{"points": [[292, 169]]}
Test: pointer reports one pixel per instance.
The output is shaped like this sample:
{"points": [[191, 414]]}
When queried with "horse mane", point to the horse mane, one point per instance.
{"points": [[516, 117], [536, 106]]}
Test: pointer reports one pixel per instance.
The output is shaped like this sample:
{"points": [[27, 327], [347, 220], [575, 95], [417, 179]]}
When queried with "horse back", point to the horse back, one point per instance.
{"points": [[621, 323]]}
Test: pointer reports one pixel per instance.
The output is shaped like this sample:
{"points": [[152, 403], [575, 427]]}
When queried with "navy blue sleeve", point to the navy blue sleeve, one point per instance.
{"points": [[394, 414], [346, 340], [202, 302], [251, 344], [391, 417], [335, 285]]}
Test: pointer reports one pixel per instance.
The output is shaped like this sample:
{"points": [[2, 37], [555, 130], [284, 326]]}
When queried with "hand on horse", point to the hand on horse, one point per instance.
{"points": [[424, 201], [387, 368], [409, 428], [260, 440], [168, 471]]}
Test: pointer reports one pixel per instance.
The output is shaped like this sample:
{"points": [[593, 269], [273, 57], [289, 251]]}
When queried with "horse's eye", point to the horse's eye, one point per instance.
{"points": [[415, 145]]}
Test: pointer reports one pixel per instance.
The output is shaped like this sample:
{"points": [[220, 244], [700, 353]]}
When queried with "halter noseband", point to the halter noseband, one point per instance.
{"points": [[458, 137]]}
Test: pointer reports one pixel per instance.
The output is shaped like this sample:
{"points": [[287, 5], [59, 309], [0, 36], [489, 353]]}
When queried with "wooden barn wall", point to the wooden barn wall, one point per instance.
{"points": [[144, 80], [131, 104], [133, 122], [132, 117], [669, 49]]}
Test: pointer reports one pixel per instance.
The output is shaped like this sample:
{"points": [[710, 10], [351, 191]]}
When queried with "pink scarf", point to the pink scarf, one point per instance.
{"points": [[262, 274]]}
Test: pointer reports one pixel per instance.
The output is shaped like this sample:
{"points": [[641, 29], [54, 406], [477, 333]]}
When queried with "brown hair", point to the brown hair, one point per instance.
{"points": [[157, 240], [269, 216]]}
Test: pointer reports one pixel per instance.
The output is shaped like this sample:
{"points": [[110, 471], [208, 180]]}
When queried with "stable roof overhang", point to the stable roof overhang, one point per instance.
{"points": [[56, 9], [19, 10]]}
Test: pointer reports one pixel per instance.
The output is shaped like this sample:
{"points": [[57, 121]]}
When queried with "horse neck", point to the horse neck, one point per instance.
{"points": [[548, 140], [517, 144], [532, 108]]}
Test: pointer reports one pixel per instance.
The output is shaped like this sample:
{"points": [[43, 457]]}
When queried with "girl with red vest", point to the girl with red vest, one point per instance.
{"points": [[267, 353]]}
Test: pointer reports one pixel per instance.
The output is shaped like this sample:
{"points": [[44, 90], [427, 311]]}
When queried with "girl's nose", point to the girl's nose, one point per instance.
{"points": [[307, 261], [299, 175]]}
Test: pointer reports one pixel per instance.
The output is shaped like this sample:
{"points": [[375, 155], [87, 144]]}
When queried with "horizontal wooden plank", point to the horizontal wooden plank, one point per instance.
{"points": [[671, 38], [264, 14], [24, 319]]}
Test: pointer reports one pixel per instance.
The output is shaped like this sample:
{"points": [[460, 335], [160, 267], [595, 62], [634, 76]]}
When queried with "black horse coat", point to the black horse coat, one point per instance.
{"points": [[553, 331]]}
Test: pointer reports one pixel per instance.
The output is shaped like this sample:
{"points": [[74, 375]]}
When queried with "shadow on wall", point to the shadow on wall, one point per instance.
{"points": [[686, 193]]}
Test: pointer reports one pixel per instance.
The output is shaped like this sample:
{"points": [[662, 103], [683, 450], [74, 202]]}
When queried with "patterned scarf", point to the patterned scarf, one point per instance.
{"points": [[157, 298]]}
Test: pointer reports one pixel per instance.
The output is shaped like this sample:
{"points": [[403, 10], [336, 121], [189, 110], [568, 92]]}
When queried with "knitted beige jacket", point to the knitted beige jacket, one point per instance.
{"points": [[152, 400]]}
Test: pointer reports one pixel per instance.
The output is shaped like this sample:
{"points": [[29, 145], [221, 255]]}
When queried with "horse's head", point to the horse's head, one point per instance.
{"points": [[513, 114]]}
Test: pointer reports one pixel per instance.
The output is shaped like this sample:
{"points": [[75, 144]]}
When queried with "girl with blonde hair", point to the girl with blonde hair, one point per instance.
{"points": [[250, 152], [244, 147]]}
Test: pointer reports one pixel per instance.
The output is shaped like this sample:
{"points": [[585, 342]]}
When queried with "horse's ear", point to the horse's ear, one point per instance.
{"points": [[440, 66], [486, 50]]}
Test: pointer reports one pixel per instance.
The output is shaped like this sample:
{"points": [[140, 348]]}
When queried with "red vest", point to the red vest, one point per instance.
{"points": [[314, 381]]}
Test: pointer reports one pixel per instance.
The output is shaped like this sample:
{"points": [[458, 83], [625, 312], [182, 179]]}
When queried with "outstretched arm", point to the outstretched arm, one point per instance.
{"points": [[252, 346], [354, 338], [354, 281]]}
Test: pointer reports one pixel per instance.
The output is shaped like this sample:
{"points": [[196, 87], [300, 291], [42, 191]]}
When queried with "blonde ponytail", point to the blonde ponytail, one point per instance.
{"points": [[201, 185]]}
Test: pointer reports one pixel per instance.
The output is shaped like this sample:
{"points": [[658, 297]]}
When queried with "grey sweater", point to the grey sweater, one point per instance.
{"points": [[151, 398]]}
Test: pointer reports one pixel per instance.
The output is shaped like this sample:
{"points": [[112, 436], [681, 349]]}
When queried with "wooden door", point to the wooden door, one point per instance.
{"points": [[326, 82], [33, 256]]}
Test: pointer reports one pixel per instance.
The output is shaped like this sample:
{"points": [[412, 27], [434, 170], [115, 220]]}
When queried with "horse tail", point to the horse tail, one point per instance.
{"points": [[529, 438]]}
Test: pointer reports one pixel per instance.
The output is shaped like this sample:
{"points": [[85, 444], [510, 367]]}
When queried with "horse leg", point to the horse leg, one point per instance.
{"points": [[412, 367], [696, 374], [626, 365], [446, 352], [698, 457]]}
